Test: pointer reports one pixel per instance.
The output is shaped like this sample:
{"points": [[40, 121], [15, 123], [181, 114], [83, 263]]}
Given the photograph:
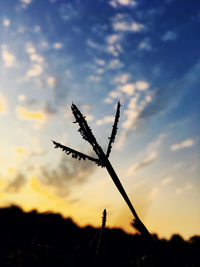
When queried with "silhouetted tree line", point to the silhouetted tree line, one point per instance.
{"points": [[47, 239]]}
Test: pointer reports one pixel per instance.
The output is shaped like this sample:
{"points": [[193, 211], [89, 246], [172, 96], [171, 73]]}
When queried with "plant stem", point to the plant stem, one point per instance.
{"points": [[137, 222]]}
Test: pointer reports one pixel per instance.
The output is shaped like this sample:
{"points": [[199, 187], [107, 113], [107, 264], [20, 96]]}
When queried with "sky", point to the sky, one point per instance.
{"points": [[95, 53]]}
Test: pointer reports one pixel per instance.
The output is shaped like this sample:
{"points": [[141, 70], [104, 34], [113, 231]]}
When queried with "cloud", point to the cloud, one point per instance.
{"points": [[167, 180], [123, 78], [100, 62], [94, 78], [115, 64], [128, 88], [105, 120], [30, 49], [125, 26], [25, 3], [150, 154], [34, 71], [70, 173], [36, 58], [8, 58], [25, 114], [113, 44], [184, 189], [145, 45], [142, 85], [57, 45], [3, 104], [169, 36], [6, 22], [186, 143], [118, 3], [17, 183], [86, 111], [51, 81], [145, 162]]}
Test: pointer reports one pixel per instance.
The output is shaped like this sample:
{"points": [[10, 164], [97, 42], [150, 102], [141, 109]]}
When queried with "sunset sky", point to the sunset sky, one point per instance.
{"points": [[94, 53]]}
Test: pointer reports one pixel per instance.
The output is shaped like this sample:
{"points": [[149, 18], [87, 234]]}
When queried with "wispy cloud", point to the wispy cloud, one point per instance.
{"points": [[123, 23], [67, 175], [145, 162], [186, 143], [167, 180], [26, 114], [184, 189], [57, 45], [118, 3], [169, 36], [8, 57], [105, 120], [51, 81], [6, 22], [150, 154], [34, 71], [3, 104], [122, 78], [113, 45], [16, 184], [25, 3]]}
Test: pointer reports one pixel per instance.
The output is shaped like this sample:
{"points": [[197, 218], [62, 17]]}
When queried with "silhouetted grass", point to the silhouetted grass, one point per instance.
{"points": [[47, 239]]}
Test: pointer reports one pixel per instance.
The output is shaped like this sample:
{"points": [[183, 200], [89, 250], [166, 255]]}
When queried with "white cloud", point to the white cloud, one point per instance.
{"points": [[145, 162], [113, 38], [127, 26], [100, 62], [86, 111], [118, 3], [58, 45], [35, 70], [25, 3], [37, 58], [184, 189], [115, 64], [94, 78], [169, 36], [144, 45], [113, 44], [108, 100], [3, 104], [167, 180], [21, 98], [8, 58], [51, 81], [30, 49], [128, 88], [153, 193], [123, 78], [142, 85], [6, 22], [106, 119], [186, 143], [100, 71]]}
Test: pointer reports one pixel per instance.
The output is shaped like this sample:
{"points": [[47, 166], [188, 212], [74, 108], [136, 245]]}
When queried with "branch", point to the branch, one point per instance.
{"points": [[114, 130], [85, 130], [76, 154]]}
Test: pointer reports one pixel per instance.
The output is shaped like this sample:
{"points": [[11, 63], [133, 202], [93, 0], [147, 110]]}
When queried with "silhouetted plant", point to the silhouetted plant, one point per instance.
{"points": [[102, 159], [103, 225]]}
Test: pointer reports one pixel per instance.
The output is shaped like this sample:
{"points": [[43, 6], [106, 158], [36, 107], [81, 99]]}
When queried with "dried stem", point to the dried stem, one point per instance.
{"points": [[102, 160], [114, 130], [103, 225]]}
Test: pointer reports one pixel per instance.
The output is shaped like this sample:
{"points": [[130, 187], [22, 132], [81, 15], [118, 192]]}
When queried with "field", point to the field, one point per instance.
{"points": [[47, 239]]}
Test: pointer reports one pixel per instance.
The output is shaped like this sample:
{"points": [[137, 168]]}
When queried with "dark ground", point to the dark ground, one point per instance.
{"points": [[35, 239]]}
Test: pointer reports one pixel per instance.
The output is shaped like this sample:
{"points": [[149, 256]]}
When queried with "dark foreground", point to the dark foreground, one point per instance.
{"points": [[33, 239]]}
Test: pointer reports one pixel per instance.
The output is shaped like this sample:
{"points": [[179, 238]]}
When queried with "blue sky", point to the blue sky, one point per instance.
{"points": [[93, 53]]}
